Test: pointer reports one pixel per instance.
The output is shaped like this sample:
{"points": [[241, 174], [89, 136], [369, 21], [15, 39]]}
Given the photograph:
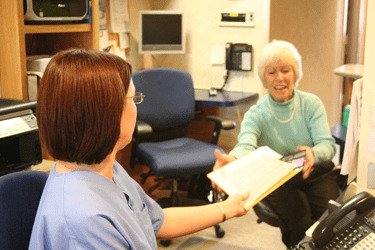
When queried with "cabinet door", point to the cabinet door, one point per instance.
{"points": [[18, 41], [12, 51]]}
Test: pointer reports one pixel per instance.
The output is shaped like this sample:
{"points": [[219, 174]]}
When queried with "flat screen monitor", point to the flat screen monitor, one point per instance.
{"points": [[161, 32]]}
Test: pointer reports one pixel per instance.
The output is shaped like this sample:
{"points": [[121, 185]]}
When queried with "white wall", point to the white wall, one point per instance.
{"points": [[203, 32], [132, 55], [367, 144]]}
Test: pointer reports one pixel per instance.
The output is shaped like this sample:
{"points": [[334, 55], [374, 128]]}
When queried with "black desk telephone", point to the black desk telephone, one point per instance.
{"points": [[352, 225], [238, 56]]}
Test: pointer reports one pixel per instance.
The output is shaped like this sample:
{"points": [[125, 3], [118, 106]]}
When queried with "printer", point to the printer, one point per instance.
{"points": [[19, 138], [35, 66], [55, 10]]}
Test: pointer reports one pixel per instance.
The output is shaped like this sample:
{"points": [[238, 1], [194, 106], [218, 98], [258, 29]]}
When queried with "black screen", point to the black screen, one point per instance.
{"points": [[161, 29]]}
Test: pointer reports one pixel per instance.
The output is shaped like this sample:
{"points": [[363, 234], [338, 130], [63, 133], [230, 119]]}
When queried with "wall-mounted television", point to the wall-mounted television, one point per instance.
{"points": [[161, 32]]}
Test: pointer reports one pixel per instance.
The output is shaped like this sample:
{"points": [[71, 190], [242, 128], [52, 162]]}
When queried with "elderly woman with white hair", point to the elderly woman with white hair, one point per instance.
{"points": [[289, 120]]}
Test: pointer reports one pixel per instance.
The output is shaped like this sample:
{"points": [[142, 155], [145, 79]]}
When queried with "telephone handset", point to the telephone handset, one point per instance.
{"points": [[238, 56], [348, 224]]}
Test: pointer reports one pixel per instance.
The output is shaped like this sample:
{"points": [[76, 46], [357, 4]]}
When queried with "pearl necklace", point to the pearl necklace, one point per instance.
{"points": [[291, 116]]}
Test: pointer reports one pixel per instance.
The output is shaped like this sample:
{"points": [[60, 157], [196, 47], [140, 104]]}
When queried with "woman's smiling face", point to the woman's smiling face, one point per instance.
{"points": [[280, 79]]}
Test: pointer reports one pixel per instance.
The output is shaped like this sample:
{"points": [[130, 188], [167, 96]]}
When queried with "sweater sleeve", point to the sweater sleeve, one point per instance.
{"points": [[249, 134], [324, 145]]}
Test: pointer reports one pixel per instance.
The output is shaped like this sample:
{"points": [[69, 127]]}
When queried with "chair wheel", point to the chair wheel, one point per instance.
{"points": [[219, 231], [165, 243]]}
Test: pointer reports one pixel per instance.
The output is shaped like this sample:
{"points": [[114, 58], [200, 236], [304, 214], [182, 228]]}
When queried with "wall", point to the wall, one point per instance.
{"points": [[132, 55], [316, 29], [367, 132], [355, 33], [203, 32]]}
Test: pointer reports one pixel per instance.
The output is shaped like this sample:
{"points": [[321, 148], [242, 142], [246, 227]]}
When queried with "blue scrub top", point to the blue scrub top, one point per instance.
{"points": [[85, 210]]}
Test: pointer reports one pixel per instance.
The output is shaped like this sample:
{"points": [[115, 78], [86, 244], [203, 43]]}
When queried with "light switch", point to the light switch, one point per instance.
{"points": [[217, 54]]}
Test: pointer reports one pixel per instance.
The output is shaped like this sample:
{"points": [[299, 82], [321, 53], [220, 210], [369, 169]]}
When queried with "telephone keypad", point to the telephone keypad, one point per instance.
{"points": [[366, 243], [358, 236]]}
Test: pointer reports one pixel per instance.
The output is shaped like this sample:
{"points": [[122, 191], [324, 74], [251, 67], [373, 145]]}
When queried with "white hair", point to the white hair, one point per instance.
{"points": [[283, 50]]}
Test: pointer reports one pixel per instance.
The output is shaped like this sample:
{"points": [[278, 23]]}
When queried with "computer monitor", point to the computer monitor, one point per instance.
{"points": [[161, 32]]}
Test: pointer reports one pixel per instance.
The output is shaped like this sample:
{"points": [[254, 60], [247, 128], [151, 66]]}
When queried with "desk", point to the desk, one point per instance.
{"points": [[223, 98], [352, 72]]}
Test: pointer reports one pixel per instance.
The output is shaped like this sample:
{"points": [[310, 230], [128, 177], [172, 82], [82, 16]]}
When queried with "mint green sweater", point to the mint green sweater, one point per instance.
{"points": [[309, 127]]}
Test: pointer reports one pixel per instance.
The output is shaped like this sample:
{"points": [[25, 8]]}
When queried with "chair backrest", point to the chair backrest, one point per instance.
{"points": [[169, 97], [20, 193]]}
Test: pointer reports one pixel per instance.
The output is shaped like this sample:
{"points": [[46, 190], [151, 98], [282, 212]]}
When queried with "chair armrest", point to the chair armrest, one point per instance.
{"points": [[142, 128], [220, 124], [223, 123]]}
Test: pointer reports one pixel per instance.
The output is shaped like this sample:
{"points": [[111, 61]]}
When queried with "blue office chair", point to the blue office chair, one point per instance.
{"points": [[20, 193], [160, 141]]}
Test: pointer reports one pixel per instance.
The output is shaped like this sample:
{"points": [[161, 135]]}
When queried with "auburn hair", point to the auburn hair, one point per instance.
{"points": [[80, 102]]}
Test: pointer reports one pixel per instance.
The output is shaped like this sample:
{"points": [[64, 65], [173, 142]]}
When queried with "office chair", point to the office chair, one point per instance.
{"points": [[20, 193], [160, 140], [266, 214]]}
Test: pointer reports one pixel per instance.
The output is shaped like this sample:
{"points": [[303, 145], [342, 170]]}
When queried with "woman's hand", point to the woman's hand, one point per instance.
{"points": [[309, 161], [233, 206], [178, 220], [221, 160]]}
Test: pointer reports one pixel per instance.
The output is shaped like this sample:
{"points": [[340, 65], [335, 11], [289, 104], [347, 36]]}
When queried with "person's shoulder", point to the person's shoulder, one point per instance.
{"points": [[307, 96], [309, 102], [256, 110], [260, 103], [84, 183], [94, 197], [119, 170]]}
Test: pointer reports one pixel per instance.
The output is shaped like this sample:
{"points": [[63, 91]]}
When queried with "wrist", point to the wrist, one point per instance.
{"points": [[232, 158], [221, 210]]}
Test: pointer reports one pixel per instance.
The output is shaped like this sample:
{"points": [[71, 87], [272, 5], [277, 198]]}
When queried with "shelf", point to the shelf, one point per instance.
{"points": [[57, 28], [17, 41], [354, 71]]}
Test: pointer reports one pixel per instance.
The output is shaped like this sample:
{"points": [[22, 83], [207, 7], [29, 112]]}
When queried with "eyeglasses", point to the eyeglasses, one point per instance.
{"points": [[137, 98]]}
